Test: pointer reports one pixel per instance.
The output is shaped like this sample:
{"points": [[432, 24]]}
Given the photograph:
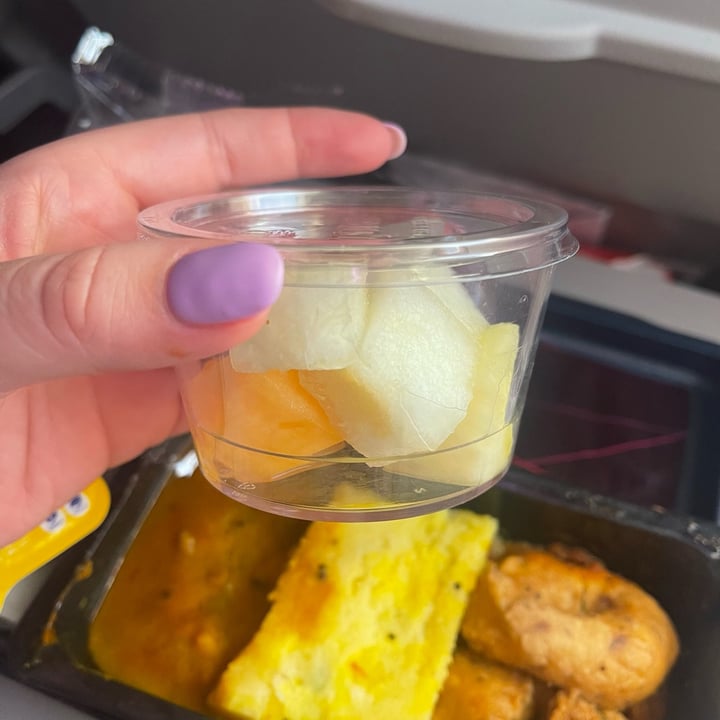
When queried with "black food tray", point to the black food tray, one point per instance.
{"points": [[676, 559]]}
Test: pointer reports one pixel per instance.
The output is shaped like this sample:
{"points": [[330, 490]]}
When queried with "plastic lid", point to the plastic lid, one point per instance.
{"points": [[676, 38], [384, 228]]}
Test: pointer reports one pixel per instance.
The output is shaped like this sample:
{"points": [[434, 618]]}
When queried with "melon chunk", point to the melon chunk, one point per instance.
{"points": [[271, 413], [455, 297], [412, 380], [309, 328], [485, 432]]}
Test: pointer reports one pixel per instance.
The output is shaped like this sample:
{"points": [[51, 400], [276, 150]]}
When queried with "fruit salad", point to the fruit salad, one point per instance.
{"points": [[409, 377]]}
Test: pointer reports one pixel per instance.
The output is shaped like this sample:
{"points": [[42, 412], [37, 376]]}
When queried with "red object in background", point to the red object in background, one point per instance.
{"points": [[602, 254], [628, 261]]}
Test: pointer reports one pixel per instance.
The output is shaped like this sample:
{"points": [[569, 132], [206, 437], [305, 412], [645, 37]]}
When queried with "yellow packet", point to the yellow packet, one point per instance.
{"points": [[61, 530]]}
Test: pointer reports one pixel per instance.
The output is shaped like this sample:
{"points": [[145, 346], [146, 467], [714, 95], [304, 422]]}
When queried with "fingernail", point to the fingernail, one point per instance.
{"points": [[399, 139], [224, 283]]}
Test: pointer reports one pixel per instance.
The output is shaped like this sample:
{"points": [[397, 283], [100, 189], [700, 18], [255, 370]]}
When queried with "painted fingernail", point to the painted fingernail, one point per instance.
{"points": [[224, 283], [399, 140]]}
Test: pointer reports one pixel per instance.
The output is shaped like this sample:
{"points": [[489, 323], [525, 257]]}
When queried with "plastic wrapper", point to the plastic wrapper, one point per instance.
{"points": [[116, 85]]}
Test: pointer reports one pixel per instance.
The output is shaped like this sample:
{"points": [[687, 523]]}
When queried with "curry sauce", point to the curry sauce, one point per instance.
{"points": [[170, 626]]}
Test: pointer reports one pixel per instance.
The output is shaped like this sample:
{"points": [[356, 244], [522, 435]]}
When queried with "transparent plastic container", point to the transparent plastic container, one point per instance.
{"points": [[390, 377]]}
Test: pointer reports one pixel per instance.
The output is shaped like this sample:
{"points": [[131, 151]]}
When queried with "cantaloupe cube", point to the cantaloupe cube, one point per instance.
{"points": [[270, 412]]}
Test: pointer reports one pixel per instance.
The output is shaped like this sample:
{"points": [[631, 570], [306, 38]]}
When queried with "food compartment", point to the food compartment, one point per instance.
{"points": [[673, 559]]}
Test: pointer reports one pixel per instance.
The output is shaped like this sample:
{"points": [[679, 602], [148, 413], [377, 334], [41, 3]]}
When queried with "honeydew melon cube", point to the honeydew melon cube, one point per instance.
{"points": [[412, 380], [485, 432], [315, 328], [456, 298]]}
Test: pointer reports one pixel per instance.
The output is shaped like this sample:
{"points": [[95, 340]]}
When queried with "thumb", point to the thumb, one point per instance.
{"points": [[130, 306]]}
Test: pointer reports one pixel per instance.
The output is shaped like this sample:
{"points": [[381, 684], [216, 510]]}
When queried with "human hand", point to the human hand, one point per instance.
{"points": [[92, 321]]}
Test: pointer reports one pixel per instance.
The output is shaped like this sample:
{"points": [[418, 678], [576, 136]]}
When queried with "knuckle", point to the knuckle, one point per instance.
{"points": [[220, 157], [26, 204], [71, 299], [300, 152]]}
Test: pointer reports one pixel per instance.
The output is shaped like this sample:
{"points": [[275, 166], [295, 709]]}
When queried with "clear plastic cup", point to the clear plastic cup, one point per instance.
{"points": [[390, 377]]}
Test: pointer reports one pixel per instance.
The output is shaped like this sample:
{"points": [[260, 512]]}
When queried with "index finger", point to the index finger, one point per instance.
{"points": [[211, 151], [87, 189]]}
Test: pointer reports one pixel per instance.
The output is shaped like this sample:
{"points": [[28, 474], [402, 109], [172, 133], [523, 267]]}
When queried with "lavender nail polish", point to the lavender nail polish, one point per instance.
{"points": [[224, 283]]}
